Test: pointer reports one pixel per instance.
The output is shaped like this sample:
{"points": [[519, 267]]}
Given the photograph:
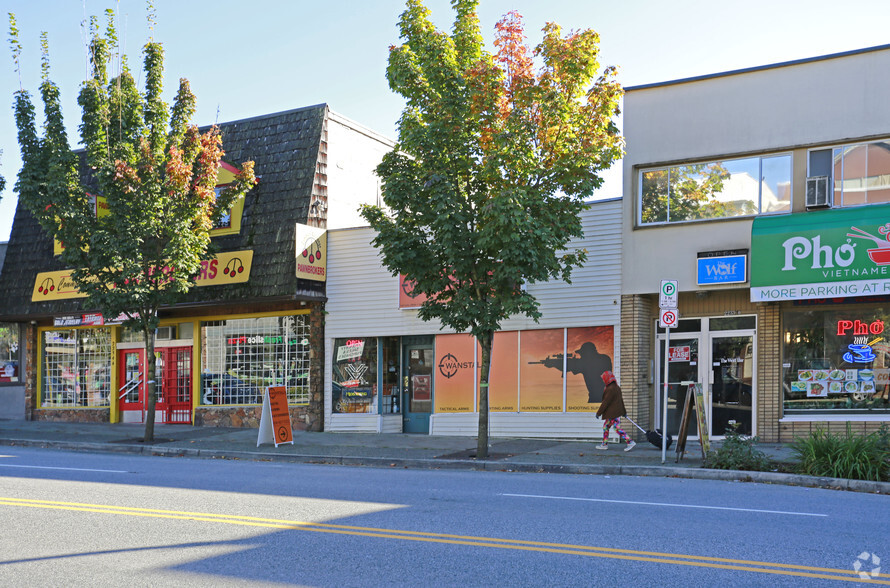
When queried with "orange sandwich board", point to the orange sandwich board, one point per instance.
{"points": [[275, 420]]}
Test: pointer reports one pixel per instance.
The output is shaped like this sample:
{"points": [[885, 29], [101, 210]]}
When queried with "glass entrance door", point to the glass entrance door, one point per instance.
{"points": [[683, 366], [173, 373], [732, 382], [418, 388], [132, 385]]}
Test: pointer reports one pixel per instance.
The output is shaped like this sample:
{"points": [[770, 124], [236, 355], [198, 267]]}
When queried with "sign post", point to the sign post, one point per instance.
{"points": [[667, 303]]}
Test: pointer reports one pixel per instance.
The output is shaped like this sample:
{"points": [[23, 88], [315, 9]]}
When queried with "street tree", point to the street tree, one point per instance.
{"points": [[495, 158], [155, 171]]}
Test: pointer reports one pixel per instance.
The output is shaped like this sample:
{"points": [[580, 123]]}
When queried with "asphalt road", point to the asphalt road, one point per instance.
{"points": [[79, 519]]}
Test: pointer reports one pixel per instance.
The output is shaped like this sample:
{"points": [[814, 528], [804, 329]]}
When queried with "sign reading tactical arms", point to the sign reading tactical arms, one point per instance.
{"points": [[312, 253], [824, 254], [226, 268]]}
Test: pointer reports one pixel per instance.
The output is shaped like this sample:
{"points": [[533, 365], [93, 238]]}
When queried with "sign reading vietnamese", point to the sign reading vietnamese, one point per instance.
{"points": [[225, 268], [312, 253], [821, 254], [721, 269]]}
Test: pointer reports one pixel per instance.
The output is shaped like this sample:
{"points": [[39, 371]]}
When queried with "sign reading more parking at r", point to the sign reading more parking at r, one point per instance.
{"points": [[668, 295]]}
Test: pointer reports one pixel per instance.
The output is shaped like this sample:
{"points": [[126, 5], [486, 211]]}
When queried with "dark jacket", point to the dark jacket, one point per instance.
{"points": [[612, 405]]}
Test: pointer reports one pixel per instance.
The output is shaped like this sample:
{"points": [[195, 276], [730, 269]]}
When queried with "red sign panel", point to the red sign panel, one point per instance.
{"points": [[679, 353]]}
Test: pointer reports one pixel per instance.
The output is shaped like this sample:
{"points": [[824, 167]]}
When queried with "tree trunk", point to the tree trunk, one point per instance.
{"points": [[485, 342], [150, 369]]}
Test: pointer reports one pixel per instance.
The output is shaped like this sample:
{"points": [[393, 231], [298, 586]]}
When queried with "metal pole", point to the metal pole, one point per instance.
{"points": [[664, 418]]}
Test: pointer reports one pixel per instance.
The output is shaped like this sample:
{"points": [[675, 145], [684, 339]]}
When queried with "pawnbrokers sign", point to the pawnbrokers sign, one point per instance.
{"points": [[824, 254]]}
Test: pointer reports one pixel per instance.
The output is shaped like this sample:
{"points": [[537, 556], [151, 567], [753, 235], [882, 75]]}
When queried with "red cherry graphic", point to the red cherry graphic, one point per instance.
{"points": [[318, 255], [305, 252], [240, 269], [52, 288], [226, 271], [311, 259], [40, 289]]}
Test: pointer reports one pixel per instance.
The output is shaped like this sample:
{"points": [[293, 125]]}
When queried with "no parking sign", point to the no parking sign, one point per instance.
{"points": [[668, 318]]}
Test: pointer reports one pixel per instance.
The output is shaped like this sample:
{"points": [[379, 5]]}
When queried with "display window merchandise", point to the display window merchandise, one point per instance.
{"points": [[836, 361], [9, 353], [240, 357], [77, 367]]}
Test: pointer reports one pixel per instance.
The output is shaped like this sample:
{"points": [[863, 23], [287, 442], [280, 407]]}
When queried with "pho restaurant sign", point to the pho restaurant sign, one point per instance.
{"points": [[824, 254]]}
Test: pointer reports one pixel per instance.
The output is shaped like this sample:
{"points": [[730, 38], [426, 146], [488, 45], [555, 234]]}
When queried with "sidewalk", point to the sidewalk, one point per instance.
{"points": [[402, 450]]}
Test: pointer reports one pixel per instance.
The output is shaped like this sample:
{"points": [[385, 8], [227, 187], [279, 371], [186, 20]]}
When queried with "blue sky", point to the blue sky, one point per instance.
{"points": [[247, 58]]}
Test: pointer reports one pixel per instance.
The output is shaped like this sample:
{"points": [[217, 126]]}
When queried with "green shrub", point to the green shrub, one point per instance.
{"points": [[855, 457], [738, 452]]}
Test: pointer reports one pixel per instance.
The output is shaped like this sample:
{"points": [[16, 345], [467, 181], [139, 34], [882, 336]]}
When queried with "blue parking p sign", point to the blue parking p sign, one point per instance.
{"points": [[726, 269]]}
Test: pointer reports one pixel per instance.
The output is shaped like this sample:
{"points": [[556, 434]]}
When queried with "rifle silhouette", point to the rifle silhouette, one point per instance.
{"points": [[554, 361]]}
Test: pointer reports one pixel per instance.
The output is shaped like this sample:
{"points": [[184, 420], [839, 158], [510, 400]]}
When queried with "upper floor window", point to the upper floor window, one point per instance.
{"points": [[715, 189], [860, 173]]}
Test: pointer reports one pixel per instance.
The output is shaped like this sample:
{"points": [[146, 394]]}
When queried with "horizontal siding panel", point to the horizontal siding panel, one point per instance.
{"points": [[538, 425]]}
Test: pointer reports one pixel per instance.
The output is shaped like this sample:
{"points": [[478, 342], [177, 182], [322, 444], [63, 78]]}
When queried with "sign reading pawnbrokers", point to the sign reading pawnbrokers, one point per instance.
{"points": [[821, 254], [312, 253]]}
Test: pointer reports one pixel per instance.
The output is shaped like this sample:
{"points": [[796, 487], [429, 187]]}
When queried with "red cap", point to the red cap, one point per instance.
{"points": [[608, 378]]}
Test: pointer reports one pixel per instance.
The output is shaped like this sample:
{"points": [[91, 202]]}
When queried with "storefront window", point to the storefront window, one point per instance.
{"points": [[354, 381], [837, 360], [76, 367], [9, 353], [241, 357]]}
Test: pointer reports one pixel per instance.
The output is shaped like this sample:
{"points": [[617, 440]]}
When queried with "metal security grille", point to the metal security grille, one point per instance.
{"points": [[76, 367], [240, 357]]}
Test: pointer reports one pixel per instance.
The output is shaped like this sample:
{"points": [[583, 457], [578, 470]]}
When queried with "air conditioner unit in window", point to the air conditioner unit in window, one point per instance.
{"points": [[165, 333], [817, 192]]}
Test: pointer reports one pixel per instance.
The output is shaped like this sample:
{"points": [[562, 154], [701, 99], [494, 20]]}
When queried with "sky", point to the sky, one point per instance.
{"points": [[258, 57]]}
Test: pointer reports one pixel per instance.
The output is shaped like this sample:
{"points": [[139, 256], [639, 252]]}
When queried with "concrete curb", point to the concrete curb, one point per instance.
{"points": [[458, 464]]}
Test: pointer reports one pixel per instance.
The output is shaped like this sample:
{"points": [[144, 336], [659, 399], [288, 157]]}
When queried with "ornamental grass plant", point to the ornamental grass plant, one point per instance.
{"points": [[738, 452], [855, 457]]}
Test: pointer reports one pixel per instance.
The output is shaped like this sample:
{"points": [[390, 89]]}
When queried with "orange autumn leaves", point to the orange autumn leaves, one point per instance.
{"points": [[556, 103]]}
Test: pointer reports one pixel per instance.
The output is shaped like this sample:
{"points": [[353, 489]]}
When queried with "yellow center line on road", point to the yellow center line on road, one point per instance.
{"points": [[537, 546]]}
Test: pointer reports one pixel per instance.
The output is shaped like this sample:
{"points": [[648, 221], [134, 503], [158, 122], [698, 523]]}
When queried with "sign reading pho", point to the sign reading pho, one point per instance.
{"points": [[835, 253]]}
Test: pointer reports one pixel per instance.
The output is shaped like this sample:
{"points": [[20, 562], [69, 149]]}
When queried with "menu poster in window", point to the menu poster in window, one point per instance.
{"points": [[817, 389]]}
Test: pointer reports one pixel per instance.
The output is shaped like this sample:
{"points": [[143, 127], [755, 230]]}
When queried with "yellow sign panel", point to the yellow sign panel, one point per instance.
{"points": [[226, 268], [312, 253]]}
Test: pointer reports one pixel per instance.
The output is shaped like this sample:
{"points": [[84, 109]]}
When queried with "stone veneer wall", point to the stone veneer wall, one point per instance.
{"points": [[246, 416]]}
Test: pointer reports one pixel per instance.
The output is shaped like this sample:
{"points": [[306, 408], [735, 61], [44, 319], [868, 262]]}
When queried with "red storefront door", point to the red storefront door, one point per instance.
{"points": [[173, 372]]}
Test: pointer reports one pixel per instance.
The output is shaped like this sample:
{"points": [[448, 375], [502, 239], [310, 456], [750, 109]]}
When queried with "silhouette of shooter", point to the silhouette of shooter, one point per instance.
{"points": [[586, 361]]}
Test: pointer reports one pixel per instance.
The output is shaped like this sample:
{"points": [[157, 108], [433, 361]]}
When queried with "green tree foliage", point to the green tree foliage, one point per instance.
{"points": [[485, 188], [155, 170]]}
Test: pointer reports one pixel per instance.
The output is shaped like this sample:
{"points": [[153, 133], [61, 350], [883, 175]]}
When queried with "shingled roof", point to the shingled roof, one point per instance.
{"points": [[285, 148]]}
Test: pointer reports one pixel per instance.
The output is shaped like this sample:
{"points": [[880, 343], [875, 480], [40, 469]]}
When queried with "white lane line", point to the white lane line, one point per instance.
{"points": [[33, 467], [784, 512]]}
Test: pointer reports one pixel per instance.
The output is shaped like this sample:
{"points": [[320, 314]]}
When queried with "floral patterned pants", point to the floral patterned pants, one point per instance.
{"points": [[608, 424]]}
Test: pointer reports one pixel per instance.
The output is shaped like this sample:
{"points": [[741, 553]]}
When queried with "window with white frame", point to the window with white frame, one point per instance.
{"points": [[240, 357], [860, 172], [76, 368], [715, 189]]}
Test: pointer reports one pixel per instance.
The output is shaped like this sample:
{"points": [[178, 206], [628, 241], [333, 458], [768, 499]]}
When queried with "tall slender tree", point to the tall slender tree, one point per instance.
{"points": [[156, 172], [494, 162]]}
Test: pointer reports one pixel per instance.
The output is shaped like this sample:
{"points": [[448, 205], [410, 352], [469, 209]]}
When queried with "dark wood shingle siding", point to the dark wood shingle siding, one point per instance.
{"points": [[284, 147]]}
